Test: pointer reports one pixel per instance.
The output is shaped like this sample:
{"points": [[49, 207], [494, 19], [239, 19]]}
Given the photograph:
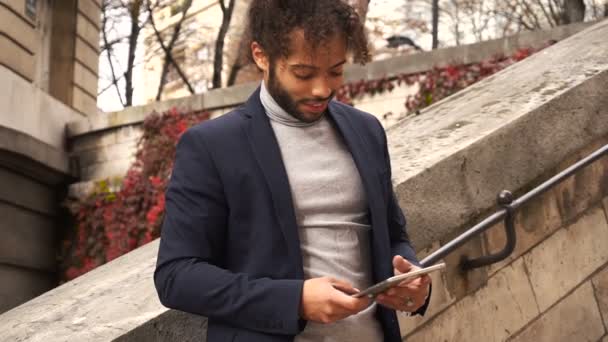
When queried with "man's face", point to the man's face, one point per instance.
{"points": [[305, 81]]}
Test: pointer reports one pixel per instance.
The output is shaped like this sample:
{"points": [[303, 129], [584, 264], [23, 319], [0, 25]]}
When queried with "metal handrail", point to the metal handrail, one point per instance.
{"points": [[507, 213]]}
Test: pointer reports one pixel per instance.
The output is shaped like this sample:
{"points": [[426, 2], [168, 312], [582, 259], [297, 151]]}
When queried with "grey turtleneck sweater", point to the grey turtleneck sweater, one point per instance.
{"points": [[331, 213]]}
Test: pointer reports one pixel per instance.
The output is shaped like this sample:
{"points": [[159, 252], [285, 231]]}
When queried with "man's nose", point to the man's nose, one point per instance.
{"points": [[321, 88]]}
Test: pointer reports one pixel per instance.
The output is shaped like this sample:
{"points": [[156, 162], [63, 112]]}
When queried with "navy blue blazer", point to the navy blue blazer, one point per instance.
{"points": [[229, 247]]}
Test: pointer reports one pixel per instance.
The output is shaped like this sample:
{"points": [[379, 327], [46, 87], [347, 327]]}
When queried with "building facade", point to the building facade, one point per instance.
{"points": [[48, 77]]}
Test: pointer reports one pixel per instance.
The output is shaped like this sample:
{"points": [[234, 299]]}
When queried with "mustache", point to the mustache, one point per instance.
{"points": [[319, 99]]}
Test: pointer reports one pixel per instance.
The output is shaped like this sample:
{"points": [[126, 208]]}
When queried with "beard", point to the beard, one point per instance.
{"points": [[286, 101]]}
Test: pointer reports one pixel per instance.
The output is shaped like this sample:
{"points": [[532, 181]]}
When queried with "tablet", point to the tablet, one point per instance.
{"points": [[382, 286]]}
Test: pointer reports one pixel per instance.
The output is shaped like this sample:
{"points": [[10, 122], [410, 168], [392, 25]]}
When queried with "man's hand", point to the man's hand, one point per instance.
{"points": [[410, 295], [326, 300]]}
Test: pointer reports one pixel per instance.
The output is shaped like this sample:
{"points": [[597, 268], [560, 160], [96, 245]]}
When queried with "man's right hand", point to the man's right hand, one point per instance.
{"points": [[326, 300]]}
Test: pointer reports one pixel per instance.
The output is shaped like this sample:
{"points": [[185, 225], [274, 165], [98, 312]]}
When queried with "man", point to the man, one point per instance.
{"points": [[280, 210]]}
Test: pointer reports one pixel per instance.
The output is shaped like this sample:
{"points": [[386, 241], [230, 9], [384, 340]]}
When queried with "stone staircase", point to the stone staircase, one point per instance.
{"points": [[510, 131]]}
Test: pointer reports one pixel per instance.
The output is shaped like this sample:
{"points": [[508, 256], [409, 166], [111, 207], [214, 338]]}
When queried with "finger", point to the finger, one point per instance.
{"points": [[400, 291], [401, 265], [343, 286], [391, 302], [399, 303]]}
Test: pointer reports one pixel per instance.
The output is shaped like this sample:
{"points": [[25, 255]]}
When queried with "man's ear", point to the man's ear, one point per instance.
{"points": [[259, 56]]}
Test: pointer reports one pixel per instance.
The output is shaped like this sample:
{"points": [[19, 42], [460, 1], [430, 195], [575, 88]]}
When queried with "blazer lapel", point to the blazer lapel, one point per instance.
{"points": [[360, 153], [268, 155]]}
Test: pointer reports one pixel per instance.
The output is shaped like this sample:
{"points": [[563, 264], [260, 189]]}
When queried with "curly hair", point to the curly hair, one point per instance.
{"points": [[271, 22]]}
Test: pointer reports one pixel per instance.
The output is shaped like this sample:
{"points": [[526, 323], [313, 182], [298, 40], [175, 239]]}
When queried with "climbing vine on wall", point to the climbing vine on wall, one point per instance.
{"points": [[117, 218], [435, 84], [111, 222]]}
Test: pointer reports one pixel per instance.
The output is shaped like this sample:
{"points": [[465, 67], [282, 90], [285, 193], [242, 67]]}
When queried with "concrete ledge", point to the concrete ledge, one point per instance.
{"points": [[502, 133], [505, 132], [101, 305], [33, 157], [410, 64]]}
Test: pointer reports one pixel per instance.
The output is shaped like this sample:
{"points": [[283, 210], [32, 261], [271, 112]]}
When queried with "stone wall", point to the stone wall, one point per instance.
{"points": [[511, 131], [554, 287], [34, 164], [104, 144], [54, 46]]}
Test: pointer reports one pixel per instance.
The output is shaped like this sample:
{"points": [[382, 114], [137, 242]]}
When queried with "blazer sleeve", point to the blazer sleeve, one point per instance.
{"points": [[400, 241], [189, 275]]}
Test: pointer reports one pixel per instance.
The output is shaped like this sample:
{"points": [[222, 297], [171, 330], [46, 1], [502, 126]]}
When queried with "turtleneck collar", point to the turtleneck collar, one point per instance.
{"points": [[278, 114]]}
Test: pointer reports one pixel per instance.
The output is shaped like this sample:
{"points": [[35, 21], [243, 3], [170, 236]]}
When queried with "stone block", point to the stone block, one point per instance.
{"points": [[16, 28], [106, 154], [587, 187], [500, 133], [87, 31], [85, 78], [458, 282], [86, 55], [533, 223], [83, 102], [21, 191], [574, 318], [600, 285], [125, 134], [17, 59], [91, 10], [98, 306], [605, 201], [113, 168], [565, 259], [27, 239], [19, 285], [170, 326], [505, 305]]}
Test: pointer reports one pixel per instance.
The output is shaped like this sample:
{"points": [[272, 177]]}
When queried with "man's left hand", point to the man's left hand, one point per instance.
{"points": [[408, 296]]}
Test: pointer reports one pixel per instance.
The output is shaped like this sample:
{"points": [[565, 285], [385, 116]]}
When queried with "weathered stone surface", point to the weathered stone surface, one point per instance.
{"points": [[107, 153], [108, 138], [605, 201], [24, 192], [27, 239], [169, 326], [112, 168], [101, 305], [585, 188], [565, 259], [575, 318], [533, 223], [501, 133], [41, 116], [600, 285], [24, 284], [493, 313]]}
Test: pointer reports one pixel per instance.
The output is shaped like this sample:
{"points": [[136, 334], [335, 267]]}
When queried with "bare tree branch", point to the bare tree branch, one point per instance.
{"points": [[167, 49], [108, 47], [218, 60]]}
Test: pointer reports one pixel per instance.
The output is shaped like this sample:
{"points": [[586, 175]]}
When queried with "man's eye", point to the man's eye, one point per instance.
{"points": [[336, 73], [303, 77]]}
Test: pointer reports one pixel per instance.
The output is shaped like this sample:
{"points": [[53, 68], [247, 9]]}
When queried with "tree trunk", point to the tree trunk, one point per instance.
{"points": [[134, 12], [168, 49], [435, 10], [574, 11], [218, 59]]}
